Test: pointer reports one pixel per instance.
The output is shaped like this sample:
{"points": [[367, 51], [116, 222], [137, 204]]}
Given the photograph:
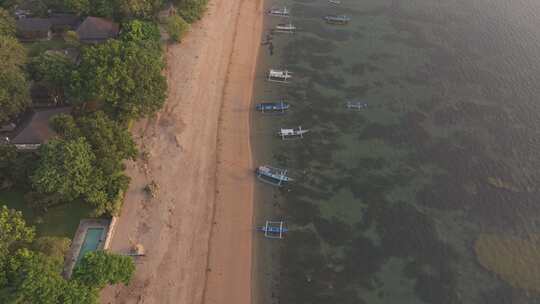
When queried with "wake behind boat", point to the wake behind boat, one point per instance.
{"points": [[272, 175], [279, 12]]}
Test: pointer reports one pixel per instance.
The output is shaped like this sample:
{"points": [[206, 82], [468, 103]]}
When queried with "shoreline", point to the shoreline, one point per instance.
{"points": [[197, 151], [229, 278]]}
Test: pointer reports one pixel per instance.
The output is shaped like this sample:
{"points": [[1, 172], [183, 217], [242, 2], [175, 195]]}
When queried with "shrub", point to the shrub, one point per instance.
{"points": [[176, 27], [191, 10]]}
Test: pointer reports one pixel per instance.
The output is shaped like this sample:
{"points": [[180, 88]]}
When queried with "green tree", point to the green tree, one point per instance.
{"points": [[138, 8], [176, 27], [191, 10], [66, 169], [7, 23], [81, 7], [125, 76], [15, 167], [14, 89], [102, 8], [53, 69], [53, 247], [100, 268], [35, 278], [14, 94], [13, 230], [111, 143], [140, 31]]}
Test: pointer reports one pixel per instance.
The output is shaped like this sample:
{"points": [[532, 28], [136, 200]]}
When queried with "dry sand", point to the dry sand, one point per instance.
{"points": [[197, 232]]}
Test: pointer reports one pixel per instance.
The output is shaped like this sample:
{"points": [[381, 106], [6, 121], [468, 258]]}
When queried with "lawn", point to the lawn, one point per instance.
{"points": [[38, 47], [57, 221]]}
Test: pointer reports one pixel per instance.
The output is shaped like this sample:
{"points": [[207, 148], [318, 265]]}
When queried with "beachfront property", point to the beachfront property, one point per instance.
{"points": [[95, 30], [34, 29], [33, 130], [91, 235]]}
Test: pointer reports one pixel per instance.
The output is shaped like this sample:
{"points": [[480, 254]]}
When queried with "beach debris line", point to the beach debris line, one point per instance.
{"points": [[287, 28], [273, 229], [272, 107], [279, 12], [356, 105], [337, 19], [292, 133], [273, 176], [279, 75]]}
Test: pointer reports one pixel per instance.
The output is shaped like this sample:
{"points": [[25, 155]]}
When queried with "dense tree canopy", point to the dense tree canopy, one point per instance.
{"points": [[110, 142], [34, 278], [13, 229], [66, 170], [140, 32], [14, 92], [138, 8], [176, 27], [7, 24], [100, 268], [54, 70], [125, 76], [191, 10]]}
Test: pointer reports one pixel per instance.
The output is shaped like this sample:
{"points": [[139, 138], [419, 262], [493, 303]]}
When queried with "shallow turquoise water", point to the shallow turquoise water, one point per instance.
{"points": [[91, 241], [390, 200]]}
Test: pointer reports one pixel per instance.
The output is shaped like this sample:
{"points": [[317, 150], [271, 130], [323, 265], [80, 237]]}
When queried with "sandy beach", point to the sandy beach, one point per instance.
{"points": [[197, 232]]}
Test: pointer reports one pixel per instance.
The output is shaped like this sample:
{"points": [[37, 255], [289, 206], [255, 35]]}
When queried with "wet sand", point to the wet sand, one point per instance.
{"points": [[197, 232]]}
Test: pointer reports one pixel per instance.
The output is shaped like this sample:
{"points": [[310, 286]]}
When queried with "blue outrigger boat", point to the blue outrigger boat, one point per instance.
{"points": [[273, 229], [273, 176], [272, 107]]}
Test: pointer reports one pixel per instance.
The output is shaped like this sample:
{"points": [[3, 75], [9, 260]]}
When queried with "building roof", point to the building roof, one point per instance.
{"points": [[67, 20], [34, 25], [37, 129], [97, 29]]}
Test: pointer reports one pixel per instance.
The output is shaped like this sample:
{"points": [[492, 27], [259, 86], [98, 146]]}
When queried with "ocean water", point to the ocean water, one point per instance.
{"points": [[421, 196]]}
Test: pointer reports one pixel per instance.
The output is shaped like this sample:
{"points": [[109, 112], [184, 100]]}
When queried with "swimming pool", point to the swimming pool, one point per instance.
{"points": [[91, 242]]}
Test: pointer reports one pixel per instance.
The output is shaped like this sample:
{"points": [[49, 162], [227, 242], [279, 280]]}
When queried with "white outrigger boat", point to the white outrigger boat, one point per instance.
{"points": [[273, 176], [279, 75], [335, 2], [292, 133], [337, 19], [357, 105], [288, 28], [279, 12], [273, 229]]}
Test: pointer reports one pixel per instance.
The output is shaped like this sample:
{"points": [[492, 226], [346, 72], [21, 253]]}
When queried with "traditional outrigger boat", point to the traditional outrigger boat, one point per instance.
{"points": [[279, 12], [288, 28], [272, 107], [356, 105], [337, 19], [273, 229], [271, 175], [335, 2], [279, 75], [292, 133]]}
